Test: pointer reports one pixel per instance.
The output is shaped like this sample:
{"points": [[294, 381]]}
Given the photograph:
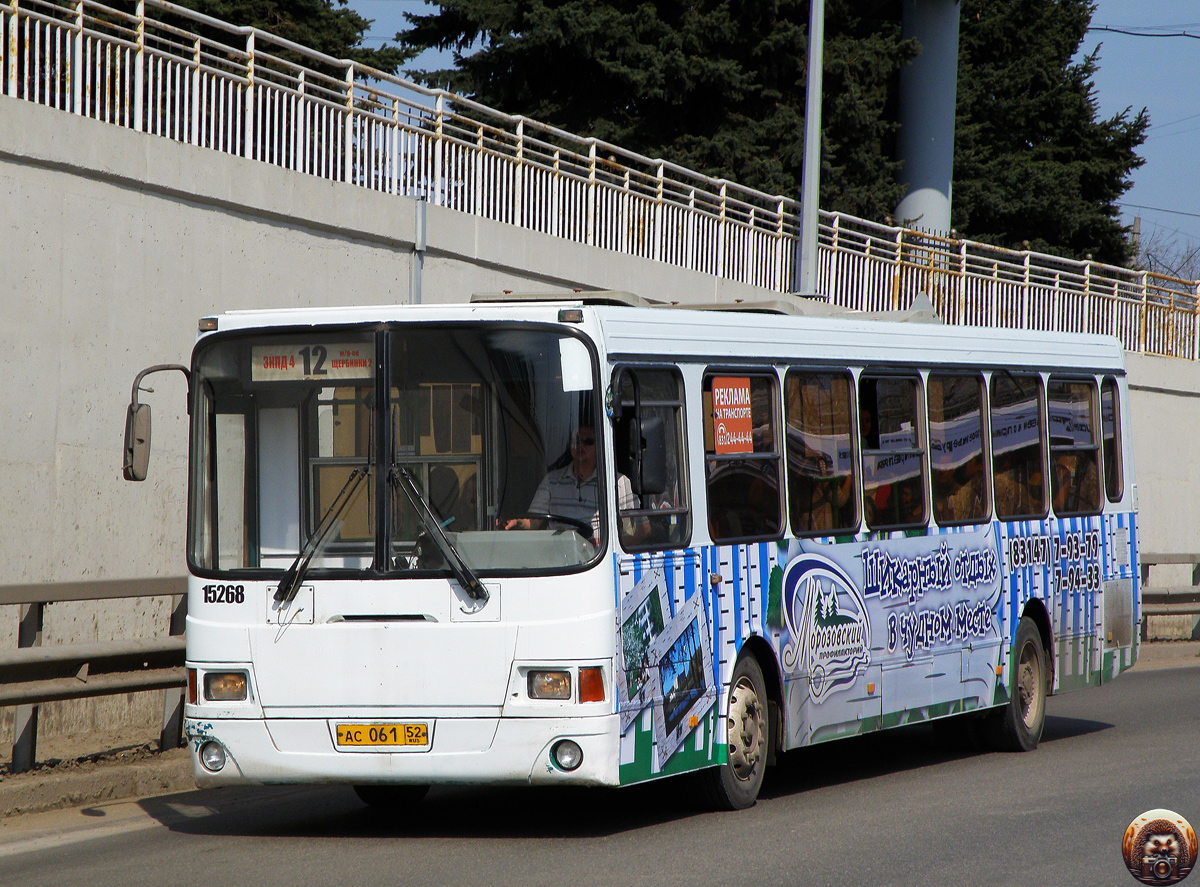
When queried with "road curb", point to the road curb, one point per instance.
{"points": [[53, 788]]}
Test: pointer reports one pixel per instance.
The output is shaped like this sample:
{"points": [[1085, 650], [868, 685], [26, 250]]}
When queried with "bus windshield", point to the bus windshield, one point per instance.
{"points": [[300, 437]]}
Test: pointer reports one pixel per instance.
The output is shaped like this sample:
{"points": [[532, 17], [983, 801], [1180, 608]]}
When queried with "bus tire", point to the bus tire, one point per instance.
{"points": [[394, 798], [734, 785], [1017, 726]]}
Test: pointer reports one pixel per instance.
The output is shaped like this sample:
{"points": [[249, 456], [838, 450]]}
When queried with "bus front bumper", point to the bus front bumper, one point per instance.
{"points": [[508, 750]]}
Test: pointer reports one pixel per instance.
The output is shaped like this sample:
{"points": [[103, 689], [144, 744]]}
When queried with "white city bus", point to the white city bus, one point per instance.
{"points": [[807, 528]]}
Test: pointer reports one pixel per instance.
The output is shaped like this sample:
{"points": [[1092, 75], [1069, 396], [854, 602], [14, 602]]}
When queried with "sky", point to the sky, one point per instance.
{"points": [[1159, 73]]}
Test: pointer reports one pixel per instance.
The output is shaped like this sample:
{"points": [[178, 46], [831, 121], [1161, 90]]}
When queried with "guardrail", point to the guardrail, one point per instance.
{"points": [[34, 674], [1169, 600], [162, 69]]}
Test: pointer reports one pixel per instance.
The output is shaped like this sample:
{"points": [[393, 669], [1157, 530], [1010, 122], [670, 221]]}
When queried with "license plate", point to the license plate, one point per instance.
{"points": [[382, 735]]}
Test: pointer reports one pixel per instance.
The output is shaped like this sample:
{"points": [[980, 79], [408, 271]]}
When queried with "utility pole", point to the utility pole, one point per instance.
{"points": [[810, 190]]}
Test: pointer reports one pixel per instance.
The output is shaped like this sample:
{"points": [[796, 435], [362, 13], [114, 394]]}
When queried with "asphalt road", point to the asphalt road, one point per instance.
{"points": [[888, 809]]}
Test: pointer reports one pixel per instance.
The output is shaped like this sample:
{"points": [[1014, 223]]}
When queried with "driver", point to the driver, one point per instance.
{"points": [[574, 490]]}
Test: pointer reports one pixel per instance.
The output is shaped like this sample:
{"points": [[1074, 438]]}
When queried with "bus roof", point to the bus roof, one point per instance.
{"points": [[633, 329]]}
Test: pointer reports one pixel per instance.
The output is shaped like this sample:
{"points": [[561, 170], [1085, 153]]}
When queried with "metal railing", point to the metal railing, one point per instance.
{"points": [[159, 68], [34, 674], [1169, 600]]}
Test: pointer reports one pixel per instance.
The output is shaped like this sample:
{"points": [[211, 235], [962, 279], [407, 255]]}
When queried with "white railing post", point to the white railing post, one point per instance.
{"points": [[833, 279], [251, 128], [658, 206], [961, 282], [748, 263], [591, 195], [519, 184], [722, 224], [439, 110], [777, 282], [394, 147], [689, 245], [477, 191], [13, 43], [556, 204], [897, 269], [76, 60], [348, 140], [1196, 322], [197, 102], [139, 73], [302, 115], [626, 217], [1026, 295], [1087, 291]]}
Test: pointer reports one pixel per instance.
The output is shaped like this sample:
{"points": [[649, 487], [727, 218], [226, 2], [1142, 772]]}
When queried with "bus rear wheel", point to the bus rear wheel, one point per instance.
{"points": [[394, 798], [735, 784], [1017, 726]]}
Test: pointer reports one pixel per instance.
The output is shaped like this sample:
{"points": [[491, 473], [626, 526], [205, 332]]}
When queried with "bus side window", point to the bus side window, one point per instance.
{"points": [[959, 473], [1018, 466], [741, 457], [1074, 449], [892, 456], [1110, 425], [820, 454], [659, 515]]}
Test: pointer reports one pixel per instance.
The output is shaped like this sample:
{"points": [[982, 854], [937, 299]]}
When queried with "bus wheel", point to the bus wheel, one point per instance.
{"points": [[734, 785], [395, 798], [1018, 725]]}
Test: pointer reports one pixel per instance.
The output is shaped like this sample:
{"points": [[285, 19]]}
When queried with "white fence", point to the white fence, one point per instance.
{"points": [[161, 69]]}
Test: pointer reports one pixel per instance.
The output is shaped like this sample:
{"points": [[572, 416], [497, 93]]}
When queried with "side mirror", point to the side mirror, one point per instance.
{"points": [[135, 457], [137, 441], [648, 456]]}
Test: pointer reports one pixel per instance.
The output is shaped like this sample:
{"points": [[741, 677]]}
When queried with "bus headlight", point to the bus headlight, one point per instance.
{"points": [[549, 685], [212, 756], [225, 686], [567, 755]]}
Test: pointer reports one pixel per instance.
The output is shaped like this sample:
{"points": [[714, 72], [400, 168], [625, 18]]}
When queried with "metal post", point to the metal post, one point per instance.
{"points": [[171, 735], [810, 192], [139, 73], [24, 751], [658, 214], [440, 111], [78, 70], [518, 213], [12, 47], [591, 195], [1026, 296], [197, 102], [250, 128], [348, 160], [722, 222]]}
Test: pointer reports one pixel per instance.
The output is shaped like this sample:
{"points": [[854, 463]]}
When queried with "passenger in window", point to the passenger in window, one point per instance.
{"points": [[968, 501], [573, 491], [1075, 483], [910, 508]]}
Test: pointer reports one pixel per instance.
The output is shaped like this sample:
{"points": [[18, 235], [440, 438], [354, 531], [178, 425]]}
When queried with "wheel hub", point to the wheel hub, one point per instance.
{"points": [[1029, 693], [747, 724]]}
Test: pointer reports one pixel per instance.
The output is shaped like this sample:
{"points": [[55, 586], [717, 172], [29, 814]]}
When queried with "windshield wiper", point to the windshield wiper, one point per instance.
{"points": [[290, 583], [402, 478]]}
